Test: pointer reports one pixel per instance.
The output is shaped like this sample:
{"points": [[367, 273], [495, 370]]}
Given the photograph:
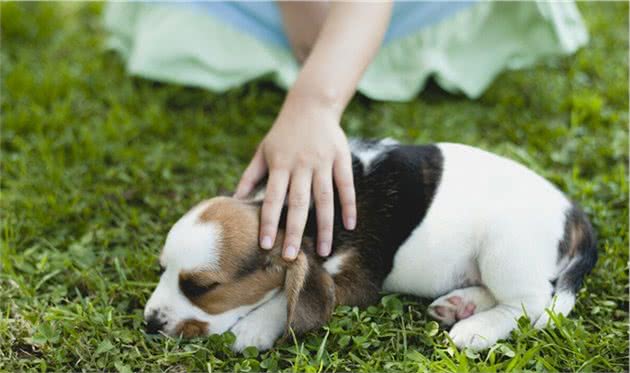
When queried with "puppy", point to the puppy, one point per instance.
{"points": [[485, 237]]}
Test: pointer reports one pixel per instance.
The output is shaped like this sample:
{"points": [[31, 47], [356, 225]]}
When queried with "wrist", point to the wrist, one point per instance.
{"points": [[327, 99]]}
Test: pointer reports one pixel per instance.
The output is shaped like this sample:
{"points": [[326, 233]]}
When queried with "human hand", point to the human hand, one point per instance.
{"points": [[304, 150]]}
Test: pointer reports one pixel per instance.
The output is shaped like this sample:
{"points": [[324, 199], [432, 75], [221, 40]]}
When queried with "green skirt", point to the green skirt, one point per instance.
{"points": [[463, 52]]}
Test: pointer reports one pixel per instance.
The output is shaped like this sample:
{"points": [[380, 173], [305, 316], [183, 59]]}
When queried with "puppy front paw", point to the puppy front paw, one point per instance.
{"points": [[248, 334]]}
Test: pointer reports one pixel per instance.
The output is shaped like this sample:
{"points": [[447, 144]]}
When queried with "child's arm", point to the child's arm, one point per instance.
{"points": [[306, 148]]}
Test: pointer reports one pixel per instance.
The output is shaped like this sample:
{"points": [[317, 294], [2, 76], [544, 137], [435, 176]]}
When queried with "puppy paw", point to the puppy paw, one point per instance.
{"points": [[248, 334], [449, 309], [471, 334], [460, 304]]}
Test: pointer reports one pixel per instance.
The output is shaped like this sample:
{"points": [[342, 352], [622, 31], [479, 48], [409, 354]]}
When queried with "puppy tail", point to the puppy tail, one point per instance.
{"points": [[579, 247]]}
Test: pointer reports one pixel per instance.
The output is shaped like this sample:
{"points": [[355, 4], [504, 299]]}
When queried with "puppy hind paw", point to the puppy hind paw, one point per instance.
{"points": [[449, 309], [461, 304], [466, 335]]}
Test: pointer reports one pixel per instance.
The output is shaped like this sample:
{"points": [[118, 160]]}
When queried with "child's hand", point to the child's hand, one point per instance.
{"points": [[304, 150]]}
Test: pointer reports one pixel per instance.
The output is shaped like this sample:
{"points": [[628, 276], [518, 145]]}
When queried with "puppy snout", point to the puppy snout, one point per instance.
{"points": [[153, 323]]}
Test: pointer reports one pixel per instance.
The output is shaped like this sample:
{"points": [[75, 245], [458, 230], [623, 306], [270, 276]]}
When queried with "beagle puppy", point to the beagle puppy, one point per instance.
{"points": [[484, 236]]}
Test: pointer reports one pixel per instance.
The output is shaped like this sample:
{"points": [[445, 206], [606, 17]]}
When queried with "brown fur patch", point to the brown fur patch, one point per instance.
{"points": [[294, 283], [310, 291], [191, 328], [246, 273], [232, 294], [579, 245], [353, 284], [576, 236], [314, 303], [577, 230], [239, 230]]}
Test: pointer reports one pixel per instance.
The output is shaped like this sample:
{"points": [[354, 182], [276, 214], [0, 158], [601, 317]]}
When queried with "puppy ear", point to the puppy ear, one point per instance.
{"points": [[310, 292]]}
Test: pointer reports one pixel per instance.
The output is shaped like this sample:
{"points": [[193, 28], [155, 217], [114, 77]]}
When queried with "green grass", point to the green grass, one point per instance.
{"points": [[96, 166]]}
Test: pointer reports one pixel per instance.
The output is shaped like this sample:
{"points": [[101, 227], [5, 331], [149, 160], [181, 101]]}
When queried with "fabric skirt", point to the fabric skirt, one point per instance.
{"points": [[464, 45]]}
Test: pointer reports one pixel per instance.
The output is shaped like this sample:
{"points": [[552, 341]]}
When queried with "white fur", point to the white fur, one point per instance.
{"points": [[333, 265], [492, 222], [262, 326], [260, 195], [173, 307], [562, 303], [369, 154], [191, 244]]}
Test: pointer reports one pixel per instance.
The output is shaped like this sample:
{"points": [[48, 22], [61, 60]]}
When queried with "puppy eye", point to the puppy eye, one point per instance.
{"points": [[193, 289], [161, 270]]}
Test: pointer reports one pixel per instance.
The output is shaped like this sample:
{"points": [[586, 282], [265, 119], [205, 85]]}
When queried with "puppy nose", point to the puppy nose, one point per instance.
{"points": [[154, 325]]}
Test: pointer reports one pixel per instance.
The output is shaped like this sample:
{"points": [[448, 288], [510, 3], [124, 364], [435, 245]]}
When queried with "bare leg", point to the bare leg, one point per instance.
{"points": [[302, 21]]}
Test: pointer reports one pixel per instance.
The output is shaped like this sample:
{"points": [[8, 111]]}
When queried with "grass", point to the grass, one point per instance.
{"points": [[96, 165]]}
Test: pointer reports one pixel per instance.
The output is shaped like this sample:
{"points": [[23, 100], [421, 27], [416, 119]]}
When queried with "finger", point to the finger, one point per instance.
{"points": [[342, 171], [299, 199], [253, 173], [324, 203], [272, 206]]}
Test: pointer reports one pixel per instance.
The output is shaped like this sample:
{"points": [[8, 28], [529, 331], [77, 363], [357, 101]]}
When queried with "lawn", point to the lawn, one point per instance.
{"points": [[96, 166]]}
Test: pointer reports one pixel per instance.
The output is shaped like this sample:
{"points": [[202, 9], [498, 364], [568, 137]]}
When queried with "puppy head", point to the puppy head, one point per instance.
{"points": [[215, 273]]}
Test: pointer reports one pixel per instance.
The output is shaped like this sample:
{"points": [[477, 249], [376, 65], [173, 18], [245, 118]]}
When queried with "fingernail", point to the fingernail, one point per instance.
{"points": [[324, 249], [290, 252], [266, 242], [351, 223]]}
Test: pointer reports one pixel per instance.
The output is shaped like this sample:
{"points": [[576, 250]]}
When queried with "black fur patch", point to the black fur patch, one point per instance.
{"points": [[192, 289], [392, 199], [580, 247], [251, 264]]}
